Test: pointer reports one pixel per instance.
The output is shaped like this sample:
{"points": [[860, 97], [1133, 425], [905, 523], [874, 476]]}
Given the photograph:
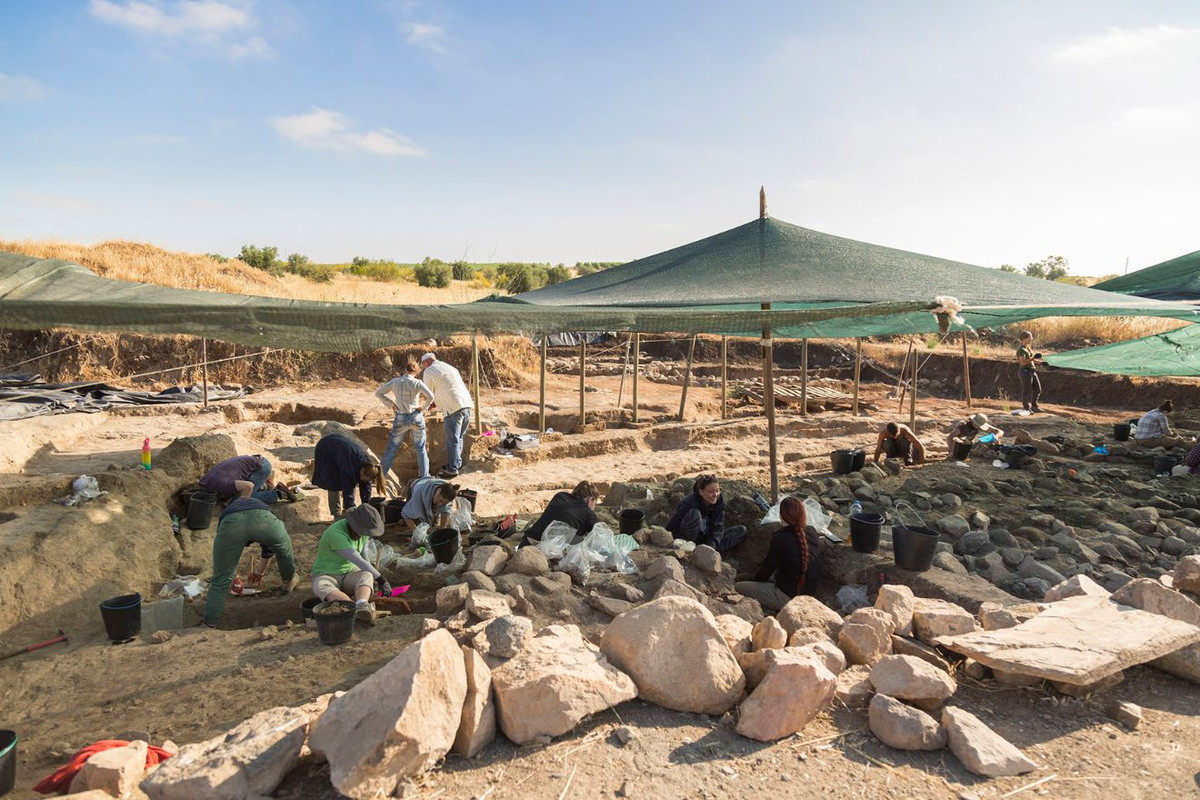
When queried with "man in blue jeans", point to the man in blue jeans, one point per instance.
{"points": [[453, 399], [409, 398]]}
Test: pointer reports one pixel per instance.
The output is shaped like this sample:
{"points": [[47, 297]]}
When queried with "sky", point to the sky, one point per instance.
{"points": [[564, 131]]}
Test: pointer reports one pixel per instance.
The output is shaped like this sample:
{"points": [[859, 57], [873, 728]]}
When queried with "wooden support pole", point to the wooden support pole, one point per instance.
{"points": [[542, 392], [769, 404], [637, 360], [912, 400], [804, 378], [687, 377], [204, 367], [857, 370], [624, 369], [582, 377], [966, 371], [475, 383], [903, 372], [724, 377]]}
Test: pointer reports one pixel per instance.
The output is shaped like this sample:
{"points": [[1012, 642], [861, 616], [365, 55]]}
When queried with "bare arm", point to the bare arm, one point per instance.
{"points": [[878, 447]]}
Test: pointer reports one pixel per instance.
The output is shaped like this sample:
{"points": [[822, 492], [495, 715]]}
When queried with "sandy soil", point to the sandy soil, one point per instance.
{"points": [[203, 682]]}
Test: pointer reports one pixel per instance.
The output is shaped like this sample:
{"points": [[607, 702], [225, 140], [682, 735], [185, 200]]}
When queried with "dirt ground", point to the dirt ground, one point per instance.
{"points": [[202, 682]]}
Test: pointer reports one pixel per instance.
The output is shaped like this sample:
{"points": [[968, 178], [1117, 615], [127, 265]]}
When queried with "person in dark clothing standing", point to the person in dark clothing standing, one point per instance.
{"points": [[1031, 384], [792, 559], [575, 508], [340, 465], [700, 517]]}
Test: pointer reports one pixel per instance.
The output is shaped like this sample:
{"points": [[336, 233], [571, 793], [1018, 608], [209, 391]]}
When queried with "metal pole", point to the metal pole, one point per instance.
{"points": [[204, 366], [475, 381], [804, 378], [769, 404], [637, 359], [582, 376], [857, 370], [687, 377], [966, 371], [542, 393], [724, 377], [912, 400]]}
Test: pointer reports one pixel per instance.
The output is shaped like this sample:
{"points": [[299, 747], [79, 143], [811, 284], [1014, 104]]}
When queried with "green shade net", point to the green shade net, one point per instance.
{"points": [[1177, 279], [1174, 353]]}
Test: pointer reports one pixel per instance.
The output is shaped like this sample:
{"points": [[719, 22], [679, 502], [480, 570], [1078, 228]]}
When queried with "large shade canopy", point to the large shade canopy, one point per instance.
{"points": [[1177, 279], [1174, 353]]}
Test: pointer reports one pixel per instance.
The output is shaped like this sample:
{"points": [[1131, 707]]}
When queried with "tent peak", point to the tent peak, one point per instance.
{"points": [[762, 202]]}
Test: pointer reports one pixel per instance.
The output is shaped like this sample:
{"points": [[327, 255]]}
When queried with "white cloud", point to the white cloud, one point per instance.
{"points": [[1165, 118], [254, 47], [1144, 46], [20, 87], [211, 23], [425, 34], [321, 129]]}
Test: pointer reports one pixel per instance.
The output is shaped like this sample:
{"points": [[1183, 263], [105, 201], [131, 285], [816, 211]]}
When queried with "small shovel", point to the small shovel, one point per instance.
{"points": [[62, 637]]}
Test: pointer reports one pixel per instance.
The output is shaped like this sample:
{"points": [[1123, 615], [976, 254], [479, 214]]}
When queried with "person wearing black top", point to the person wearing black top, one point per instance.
{"points": [[340, 465], [700, 517], [792, 560], [575, 508]]}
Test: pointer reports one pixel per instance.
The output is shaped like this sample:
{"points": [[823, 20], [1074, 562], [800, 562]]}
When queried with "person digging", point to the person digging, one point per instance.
{"points": [[244, 522], [898, 441], [340, 572]]}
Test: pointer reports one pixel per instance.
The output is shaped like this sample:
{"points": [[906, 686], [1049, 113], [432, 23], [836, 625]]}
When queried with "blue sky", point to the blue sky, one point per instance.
{"points": [[564, 131]]}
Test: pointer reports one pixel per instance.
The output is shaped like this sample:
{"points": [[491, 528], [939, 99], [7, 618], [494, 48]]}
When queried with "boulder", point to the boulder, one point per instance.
{"points": [[933, 619], [488, 605], [667, 566], [504, 637], [947, 561], [609, 605], [452, 598], [854, 687], [1187, 574], [528, 561], [477, 726], [897, 601], [904, 646], [675, 653], [488, 559], [911, 678], [1075, 586], [623, 591], [809, 612], [557, 680], [796, 688], [707, 560], [673, 588], [863, 644], [116, 771], [551, 583], [954, 525], [904, 727], [803, 636], [660, 536], [475, 579], [736, 632], [768, 635], [1150, 595], [994, 617], [979, 748], [824, 651], [398, 722]]}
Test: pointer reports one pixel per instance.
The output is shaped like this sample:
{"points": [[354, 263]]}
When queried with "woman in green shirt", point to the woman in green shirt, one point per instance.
{"points": [[340, 570]]}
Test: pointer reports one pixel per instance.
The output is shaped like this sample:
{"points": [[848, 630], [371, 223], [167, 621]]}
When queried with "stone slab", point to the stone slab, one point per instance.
{"points": [[1079, 641]]}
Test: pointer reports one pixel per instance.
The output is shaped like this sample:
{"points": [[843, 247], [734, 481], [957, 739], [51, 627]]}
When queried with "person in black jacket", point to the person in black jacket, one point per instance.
{"points": [[575, 508], [700, 517], [340, 465], [792, 559]]}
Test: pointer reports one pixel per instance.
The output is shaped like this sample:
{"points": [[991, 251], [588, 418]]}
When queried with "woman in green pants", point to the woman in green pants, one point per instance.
{"points": [[246, 521]]}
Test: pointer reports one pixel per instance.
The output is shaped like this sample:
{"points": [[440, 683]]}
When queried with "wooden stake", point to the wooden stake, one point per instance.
{"points": [[903, 373], [204, 367], [966, 371], [687, 377], [769, 403], [582, 376], [912, 401], [804, 378], [724, 377], [624, 369], [637, 358], [542, 392], [857, 370], [475, 381]]}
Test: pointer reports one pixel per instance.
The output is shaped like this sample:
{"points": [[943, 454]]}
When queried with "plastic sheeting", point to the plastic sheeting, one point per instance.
{"points": [[1177, 279], [1172, 354]]}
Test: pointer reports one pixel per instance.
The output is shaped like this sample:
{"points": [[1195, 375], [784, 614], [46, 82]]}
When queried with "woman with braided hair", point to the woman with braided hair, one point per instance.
{"points": [[792, 559]]}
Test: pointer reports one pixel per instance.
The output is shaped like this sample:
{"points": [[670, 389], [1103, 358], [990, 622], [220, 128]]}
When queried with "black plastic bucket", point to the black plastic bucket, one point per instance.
{"points": [[470, 495], [864, 532], [1121, 431], [846, 461], [8, 761], [391, 511], [1015, 456], [632, 520], [122, 616], [378, 503], [444, 543], [1164, 464], [914, 547], [200, 510], [962, 450], [337, 627], [306, 608]]}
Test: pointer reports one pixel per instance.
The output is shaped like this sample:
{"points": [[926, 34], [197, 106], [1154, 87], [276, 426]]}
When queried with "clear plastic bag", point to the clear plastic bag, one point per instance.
{"points": [[556, 539], [423, 561], [461, 518], [818, 517], [420, 534], [579, 561], [456, 564]]}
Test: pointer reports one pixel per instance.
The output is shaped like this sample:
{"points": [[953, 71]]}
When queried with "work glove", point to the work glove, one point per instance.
{"points": [[383, 587]]}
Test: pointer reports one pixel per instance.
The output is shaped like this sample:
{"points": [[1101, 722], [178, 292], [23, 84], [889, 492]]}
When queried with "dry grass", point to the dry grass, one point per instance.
{"points": [[145, 263], [1074, 332]]}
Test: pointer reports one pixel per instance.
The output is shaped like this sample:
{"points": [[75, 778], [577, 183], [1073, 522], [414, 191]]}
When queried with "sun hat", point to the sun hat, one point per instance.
{"points": [[365, 521], [428, 357], [981, 422]]}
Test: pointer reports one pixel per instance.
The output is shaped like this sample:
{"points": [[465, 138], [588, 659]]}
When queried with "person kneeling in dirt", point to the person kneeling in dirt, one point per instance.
{"points": [[340, 465], [575, 508], [246, 521], [700, 517], [245, 476], [898, 441], [792, 559], [340, 570], [430, 500], [967, 431], [1153, 429]]}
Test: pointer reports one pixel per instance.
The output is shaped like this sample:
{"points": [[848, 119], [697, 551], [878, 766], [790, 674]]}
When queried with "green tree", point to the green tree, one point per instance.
{"points": [[297, 262], [462, 271], [263, 258], [433, 273], [557, 274], [359, 261], [1035, 270], [1007, 268]]}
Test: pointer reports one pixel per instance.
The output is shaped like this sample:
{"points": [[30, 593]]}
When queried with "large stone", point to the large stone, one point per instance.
{"points": [[1152, 596], [611, 606], [768, 635], [904, 646], [488, 559], [557, 680], [898, 602], [673, 588], [1078, 640], [528, 561], [116, 771], [488, 605], [802, 636], [504, 637], [826, 652], [248, 761], [994, 617], [551, 583], [707, 560], [934, 619], [398, 722], [796, 688], [477, 725], [736, 632], [911, 678], [979, 748], [451, 598], [803, 611], [665, 565], [475, 580], [1187, 574], [1075, 586], [954, 525], [854, 687], [904, 727], [675, 653], [863, 644]]}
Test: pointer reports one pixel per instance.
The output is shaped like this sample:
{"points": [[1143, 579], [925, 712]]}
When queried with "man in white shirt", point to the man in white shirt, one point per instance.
{"points": [[453, 399], [1153, 430], [410, 399]]}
